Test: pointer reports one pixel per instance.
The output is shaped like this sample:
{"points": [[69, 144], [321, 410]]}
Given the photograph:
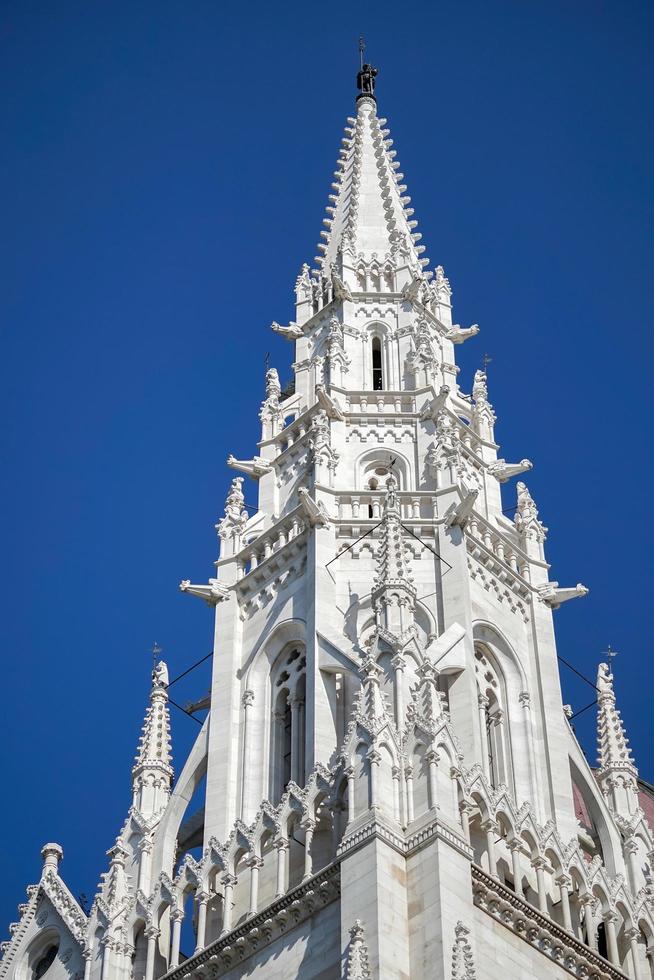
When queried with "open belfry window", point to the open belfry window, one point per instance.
{"points": [[288, 721], [377, 371]]}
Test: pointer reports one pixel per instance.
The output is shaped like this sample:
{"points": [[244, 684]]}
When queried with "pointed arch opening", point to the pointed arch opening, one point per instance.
{"points": [[491, 695], [288, 686], [377, 365]]}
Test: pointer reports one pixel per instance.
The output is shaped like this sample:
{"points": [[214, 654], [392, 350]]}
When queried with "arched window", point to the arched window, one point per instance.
{"points": [[492, 720], [377, 480], [377, 370], [288, 682], [44, 962]]}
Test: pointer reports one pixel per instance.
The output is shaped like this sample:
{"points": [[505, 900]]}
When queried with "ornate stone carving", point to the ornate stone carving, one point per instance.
{"points": [[526, 516], [463, 967], [358, 965]]}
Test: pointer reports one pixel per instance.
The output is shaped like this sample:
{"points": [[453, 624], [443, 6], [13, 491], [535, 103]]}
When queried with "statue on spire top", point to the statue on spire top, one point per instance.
{"points": [[366, 81]]}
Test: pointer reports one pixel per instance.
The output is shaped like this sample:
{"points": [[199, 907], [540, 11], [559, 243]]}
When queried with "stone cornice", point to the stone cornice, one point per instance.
{"points": [[541, 932], [408, 843], [260, 930], [436, 828]]}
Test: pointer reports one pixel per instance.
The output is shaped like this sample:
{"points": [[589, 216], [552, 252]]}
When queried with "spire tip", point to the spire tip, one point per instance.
{"points": [[365, 76]]}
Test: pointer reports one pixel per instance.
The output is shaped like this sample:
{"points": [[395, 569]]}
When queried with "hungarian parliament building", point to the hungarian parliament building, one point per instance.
{"points": [[386, 784]]}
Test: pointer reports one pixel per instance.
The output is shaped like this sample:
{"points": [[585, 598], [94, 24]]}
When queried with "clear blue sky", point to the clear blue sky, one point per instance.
{"points": [[165, 167]]}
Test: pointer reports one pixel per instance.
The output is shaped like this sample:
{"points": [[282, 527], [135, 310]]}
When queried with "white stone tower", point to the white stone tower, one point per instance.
{"points": [[389, 785]]}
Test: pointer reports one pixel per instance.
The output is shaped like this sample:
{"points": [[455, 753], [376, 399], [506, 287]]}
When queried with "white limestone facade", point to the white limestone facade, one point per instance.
{"points": [[390, 786]]}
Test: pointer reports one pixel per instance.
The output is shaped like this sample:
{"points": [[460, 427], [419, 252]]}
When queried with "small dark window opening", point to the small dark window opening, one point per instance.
{"points": [[602, 945], [286, 747], [44, 963], [377, 373]]}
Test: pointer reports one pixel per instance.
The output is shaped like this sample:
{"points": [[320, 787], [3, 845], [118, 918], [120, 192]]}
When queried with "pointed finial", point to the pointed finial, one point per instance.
{"points": [[487, 361], [610, 654], [156, 650], [362, 48]]}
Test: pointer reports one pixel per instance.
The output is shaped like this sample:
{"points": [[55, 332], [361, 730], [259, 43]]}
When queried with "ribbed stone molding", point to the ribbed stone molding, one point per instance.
{"points": [[404, 844], [539, 930]]}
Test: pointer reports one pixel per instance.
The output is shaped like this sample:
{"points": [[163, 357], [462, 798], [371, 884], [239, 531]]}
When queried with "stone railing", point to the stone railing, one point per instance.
{"points": [[487, 544], [369, 505], [380, 402], [539, 930], [257, 932], [269, 542]]}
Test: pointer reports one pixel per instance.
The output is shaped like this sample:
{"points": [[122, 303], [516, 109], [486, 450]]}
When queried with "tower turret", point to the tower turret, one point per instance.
{"points": [[152, 772], [617, 773]]}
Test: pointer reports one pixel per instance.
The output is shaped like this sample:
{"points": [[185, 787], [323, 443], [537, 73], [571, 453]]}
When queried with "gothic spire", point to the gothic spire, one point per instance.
{"points": [[369, 214], [617, 773], [152, 772]]}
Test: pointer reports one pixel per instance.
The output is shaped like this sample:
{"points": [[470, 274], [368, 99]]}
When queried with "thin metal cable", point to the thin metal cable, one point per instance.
{"points": [[188, 671], [577, 672], [175, 705], [350, 546]]}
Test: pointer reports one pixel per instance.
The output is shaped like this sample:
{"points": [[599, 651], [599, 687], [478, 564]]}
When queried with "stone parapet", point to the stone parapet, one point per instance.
{"points": [[539, 930]]}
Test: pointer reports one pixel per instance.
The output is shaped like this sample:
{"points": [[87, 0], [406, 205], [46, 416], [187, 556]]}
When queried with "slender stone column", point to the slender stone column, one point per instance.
{"points": [[122, 969], [176, 917], [539, 866], [309, 827], [631, 850], [281, 845], [650, 956], [145, 849], [589, 920], [296, 736], [337, 810], [408, 775], [482, 704], [374, 757], [432, 758], [349, 772], [107, 943], [302, 746], [152, 934], [228, 881], [610, 920], [247, 701], [396, 792], [515, 848], [490, 828], [399, 664], [632, 936], [525, 701], [564, 882], [202, 899], [88, 955], [254, 864], [464, 810]]}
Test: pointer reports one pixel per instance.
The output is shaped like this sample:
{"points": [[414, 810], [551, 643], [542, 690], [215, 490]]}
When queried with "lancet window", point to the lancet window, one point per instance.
{"points": [[377, 365], [492, 719], [288, 687], [376, 477]]}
